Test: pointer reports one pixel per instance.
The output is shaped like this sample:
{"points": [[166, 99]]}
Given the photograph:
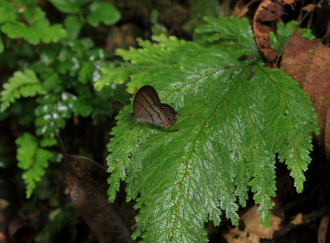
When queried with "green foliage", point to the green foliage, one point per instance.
{"points": [[284, 32], [28, 22], [22, 84], [307, 33], [201, 8], [227, 33], [156, 27], [56, 76], [235, 118], [103, 12], [100, 12], [69, 6], [33, 159]]}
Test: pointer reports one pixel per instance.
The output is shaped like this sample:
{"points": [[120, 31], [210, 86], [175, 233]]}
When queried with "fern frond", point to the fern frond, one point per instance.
{"points": [[233, 118], [227, 31], [32, 159], [52, 113], [32, 26], [118, 75], [22, 84]]}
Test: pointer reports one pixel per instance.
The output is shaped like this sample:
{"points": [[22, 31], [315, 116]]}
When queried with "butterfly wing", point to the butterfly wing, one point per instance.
{"points": [[148, 108], [145, 104]]}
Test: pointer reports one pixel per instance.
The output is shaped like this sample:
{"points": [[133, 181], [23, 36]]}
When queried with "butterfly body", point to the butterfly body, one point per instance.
{"points": [[148, 108]]}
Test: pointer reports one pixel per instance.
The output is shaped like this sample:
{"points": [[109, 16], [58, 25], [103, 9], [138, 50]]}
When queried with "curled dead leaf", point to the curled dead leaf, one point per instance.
{"points": [[266, 17], [308, 62]]}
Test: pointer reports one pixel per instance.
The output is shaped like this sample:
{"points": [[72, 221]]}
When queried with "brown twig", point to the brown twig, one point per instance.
{"points": [[305, 219]]}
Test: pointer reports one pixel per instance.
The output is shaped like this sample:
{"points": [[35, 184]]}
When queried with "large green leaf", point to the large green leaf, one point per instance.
{"points": [[69, 6], [103, 12]]}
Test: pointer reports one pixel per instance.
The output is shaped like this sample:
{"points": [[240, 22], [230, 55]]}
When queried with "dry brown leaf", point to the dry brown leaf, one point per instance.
{"points": [[268, 14], [237, 236], [289, 2], [308, 61], [240, 13], [254, 230], [243, 7], [298, 219], [309, 7], [252, 222]]}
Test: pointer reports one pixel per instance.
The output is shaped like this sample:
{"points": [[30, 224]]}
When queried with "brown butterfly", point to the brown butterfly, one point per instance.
{"points": [[148, 108]]}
